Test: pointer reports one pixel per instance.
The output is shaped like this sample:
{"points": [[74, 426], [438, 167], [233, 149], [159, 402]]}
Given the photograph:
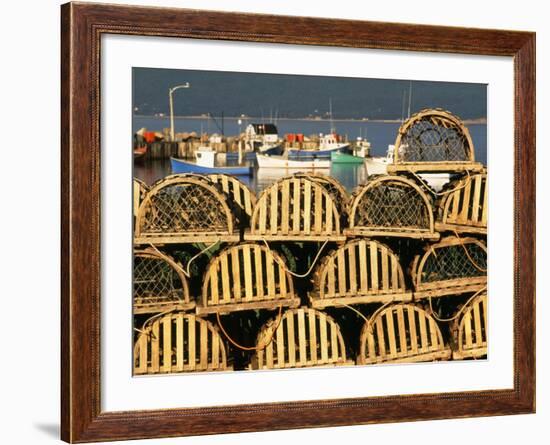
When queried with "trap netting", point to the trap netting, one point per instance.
{"points": [[456, 261], [433, 136], [392, 204], [182, 206], [158, 282]]}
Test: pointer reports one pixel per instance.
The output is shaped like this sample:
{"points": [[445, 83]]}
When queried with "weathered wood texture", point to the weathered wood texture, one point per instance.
{"points": [[179, 342], [470, 330], [331, 185], [185, 209], [297, 209], [361, 271], [304, 337], [159, 283], [139, 190], [243, 197], [83, 26], [433, 140], [245, 277], [401, 333], [451, 267], [466, 208], [391, 206]]}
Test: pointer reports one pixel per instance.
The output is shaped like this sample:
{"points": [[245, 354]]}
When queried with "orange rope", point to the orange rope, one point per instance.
{"points": [[251, 348]]}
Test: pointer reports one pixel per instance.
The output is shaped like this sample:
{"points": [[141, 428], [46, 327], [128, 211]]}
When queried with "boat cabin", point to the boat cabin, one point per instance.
{"points": [[265, 132]]}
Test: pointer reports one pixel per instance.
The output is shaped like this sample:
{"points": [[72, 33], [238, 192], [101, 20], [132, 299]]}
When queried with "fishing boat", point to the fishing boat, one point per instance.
{"points": [[328, 144], [263, 138], [284, 162], [139, 153], [206, 164], [337, 157]]}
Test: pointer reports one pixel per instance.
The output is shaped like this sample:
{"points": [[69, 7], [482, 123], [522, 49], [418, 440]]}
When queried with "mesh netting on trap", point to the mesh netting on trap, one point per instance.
{"points": [[456, 261], [155, 281], [436, 137], [392, 204], [183, 207]]}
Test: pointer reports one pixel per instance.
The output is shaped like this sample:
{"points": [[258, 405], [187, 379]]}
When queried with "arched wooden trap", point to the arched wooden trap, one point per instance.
{"points": [[179, 342], [433, 140], [159, 283], [362, 271], [331, 185], [295, 209], [465, 209], [304, 337], [470, 330], [244, 277], [185, 209], [139, 190], [391, 206], [450, 267], [242, 196], [401, 333]]}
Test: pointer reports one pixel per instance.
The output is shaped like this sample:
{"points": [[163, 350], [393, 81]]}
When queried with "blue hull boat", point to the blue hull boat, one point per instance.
{"points": [[294, 153], [181, 166]]}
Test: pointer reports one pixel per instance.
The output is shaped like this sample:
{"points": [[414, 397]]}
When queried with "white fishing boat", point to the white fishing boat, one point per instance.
{"points": [[378, 165], [282, 162]]}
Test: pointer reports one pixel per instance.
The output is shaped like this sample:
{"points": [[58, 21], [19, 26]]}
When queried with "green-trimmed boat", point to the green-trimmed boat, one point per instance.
{"points": [[345, 158]]}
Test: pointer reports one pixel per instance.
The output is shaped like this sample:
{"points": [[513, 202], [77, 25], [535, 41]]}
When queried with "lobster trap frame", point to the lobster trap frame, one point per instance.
{"points": [[401, 333], [433, 140], [185, 209], [359, 272], [470, 330], [465, 209], [391, 206], [302, 337], [179, 342], [451, 267], [245, 277], [159, 283], [295, 209]]}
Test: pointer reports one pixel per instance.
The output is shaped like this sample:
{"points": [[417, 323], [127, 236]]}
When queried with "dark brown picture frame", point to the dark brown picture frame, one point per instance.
{"points": [[82, 26]]}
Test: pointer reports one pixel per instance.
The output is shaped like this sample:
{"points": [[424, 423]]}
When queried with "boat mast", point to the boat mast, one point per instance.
{"points": [[332, 129], [410, 97]]}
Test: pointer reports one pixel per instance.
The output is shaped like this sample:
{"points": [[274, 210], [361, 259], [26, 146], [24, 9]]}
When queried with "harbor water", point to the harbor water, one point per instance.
{"points": [[379, 134]]}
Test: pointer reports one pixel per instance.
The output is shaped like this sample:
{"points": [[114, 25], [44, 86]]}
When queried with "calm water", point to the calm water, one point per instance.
{"points": [[379, 134]]}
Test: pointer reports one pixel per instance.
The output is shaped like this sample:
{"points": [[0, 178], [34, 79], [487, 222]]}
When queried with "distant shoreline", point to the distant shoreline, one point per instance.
{"points": [[478, 121]]}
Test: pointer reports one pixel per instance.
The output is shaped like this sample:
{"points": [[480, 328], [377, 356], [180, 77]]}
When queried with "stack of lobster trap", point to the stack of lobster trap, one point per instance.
{"points": [[307, 275]]}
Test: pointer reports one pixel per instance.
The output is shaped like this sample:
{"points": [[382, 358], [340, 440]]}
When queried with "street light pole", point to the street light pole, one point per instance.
{"points": [[170, 94]]}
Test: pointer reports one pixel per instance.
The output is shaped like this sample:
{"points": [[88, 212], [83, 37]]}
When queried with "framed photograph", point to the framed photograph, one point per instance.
{"points": [[275, 222]]}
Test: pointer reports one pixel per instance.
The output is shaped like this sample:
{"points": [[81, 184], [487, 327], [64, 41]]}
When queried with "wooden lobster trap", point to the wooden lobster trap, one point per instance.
{"points": [[159, 283], [391, 206], [464, 208], [185, 209], [470, 330], [179, 342], [401, 333], [244, 277], [296, 209], [451, 267], [243, 198], [300, 338], [139, 190], [433, 140], [331, 185], [361, 271]]}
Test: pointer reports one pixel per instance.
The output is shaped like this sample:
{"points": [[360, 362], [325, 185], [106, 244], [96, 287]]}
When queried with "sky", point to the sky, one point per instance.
{"points": [[293, 96]]}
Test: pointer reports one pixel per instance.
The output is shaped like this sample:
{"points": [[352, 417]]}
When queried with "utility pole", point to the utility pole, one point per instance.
{"points": [[170, 94]]}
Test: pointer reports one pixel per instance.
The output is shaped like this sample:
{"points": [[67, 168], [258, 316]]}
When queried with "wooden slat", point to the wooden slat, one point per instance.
{"points": [[282, 281], [167, 344], [453, 216], [477, 325], [291, 344], [328, 216], [485, 206], [374, 266], [247, 275], [179, 342], [463, 217], [214, 282], [423, 333], [285, 204], [236, 268], [258, 272], [363, 266], [412, 330], [302, 336], [226, 285], [323, 335], [263, 214], [203, 346], [385, 268], [433, 335], [191, 341], [402, 334], [318, 210], [341, 272], [312, 335], [307, 207], [394, 274], [381, 340], [477, 198], [334, 342], [274, 209], [281, 345], [270, 271], [391, 333], [352, 269], [155, 353], [331, 277], [143, 361], [468, 330], [269, 354], [296, 206]]}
